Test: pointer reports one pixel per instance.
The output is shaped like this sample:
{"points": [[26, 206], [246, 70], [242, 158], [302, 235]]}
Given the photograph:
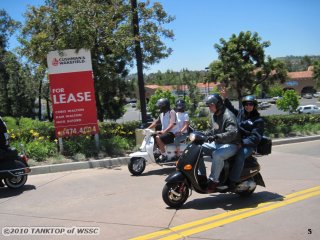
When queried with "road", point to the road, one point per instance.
{"points": [[132, 114], [117, 205]]}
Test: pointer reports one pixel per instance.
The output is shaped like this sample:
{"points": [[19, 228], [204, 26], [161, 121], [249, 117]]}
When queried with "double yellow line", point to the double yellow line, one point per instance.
{"points": [[205, 224]]}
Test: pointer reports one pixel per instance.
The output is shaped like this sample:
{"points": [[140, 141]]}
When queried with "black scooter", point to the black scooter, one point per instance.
{"points": [[187, 175], [14, 168]]}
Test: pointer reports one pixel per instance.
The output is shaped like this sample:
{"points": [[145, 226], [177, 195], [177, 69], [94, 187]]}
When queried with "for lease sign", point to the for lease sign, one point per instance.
{"points": [[72, 92]]}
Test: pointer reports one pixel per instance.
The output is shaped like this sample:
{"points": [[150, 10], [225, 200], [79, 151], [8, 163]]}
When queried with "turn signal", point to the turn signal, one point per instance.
{"points": [[187, 167]]}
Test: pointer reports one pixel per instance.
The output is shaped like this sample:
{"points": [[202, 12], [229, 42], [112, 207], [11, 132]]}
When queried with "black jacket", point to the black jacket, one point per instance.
{"points": [[225, 127], [251, 125]]}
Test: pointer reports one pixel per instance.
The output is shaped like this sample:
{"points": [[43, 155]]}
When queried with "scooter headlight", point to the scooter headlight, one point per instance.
{"points": [[192, 137]]}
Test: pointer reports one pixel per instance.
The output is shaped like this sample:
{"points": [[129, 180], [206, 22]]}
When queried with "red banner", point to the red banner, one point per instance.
{"points": [[72, 95]]}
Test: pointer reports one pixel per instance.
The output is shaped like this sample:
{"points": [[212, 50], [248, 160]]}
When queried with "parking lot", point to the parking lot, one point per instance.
{"points": [[134, 114]]}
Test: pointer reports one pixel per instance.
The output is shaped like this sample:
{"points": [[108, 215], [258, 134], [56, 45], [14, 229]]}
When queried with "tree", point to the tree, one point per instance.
{"points": [[155, 97], [275, 91], [16, 95], [289, 101], [316, 73], [243, 66], [104, 27]]}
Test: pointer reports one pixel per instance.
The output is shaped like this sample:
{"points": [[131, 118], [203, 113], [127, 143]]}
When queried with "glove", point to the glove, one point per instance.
{"points": [[212, 138]]}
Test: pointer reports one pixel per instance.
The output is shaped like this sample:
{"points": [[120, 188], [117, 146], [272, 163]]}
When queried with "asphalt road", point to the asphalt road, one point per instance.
{"points": [[112, 204]]}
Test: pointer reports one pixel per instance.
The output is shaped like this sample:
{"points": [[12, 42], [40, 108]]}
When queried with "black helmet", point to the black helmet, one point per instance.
{"points": [[180, 105], [216, 100], [250, 98], [163, 104]]}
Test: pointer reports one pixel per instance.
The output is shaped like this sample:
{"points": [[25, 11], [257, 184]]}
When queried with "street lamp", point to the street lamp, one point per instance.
{"points": [[207, 79]]}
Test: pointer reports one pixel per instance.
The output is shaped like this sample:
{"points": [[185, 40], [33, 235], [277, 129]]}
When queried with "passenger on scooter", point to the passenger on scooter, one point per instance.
{"points": [[226, 139], [251, 127], [182, 125], [167, 118]]}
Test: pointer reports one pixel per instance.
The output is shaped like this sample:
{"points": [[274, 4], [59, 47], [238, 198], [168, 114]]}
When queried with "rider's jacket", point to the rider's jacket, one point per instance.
{"points": [[3, 135], [224, 127], [251, 125]]}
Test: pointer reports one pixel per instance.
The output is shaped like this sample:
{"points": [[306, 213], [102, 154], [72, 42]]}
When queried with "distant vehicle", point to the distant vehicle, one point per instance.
{"points": [[308, 109], [264, 105], [274, 99], [316, 95], [133, 104], [307, 95]]}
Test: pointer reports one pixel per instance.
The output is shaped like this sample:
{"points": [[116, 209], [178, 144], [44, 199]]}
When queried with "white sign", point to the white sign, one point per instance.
{"points": [[69, 61]]}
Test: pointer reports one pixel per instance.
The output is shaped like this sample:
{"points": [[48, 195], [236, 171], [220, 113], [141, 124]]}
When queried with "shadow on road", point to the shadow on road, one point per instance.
{"points": [[161, 171], [232, 201], [6, 192]]}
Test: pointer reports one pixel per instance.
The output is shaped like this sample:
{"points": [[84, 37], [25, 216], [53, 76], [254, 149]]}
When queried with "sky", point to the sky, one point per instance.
{"points": [[292, 27]]}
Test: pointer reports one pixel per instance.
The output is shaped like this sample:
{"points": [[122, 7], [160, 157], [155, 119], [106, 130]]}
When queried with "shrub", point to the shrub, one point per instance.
{"points": [[40, 150]]}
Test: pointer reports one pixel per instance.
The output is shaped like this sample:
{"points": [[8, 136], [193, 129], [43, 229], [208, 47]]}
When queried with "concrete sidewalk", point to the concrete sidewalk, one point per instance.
{"points": [[119, 161]]}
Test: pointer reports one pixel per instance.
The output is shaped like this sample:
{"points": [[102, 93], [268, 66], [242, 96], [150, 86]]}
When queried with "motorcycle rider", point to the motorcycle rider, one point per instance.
{"points": [[182, 125], [167, 118], [251, 127], [226, 139]]}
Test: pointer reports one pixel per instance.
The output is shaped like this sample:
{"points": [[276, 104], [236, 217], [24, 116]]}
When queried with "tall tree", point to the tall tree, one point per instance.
{"points": [[243, 66], [316, 73], [16, 95], [104, 27]]}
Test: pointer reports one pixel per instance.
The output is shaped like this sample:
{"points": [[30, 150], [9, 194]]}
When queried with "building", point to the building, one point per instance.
{"points": [[301, 82]]}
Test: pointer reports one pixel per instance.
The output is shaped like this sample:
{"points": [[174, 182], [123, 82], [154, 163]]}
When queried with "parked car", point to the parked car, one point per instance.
{"points": [[316, 95], [264, 105], [307, 95], [308, 109]]}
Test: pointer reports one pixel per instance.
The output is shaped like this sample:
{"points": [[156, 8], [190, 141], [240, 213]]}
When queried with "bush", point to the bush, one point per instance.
{"points": [[289, 124], [40, 150]]}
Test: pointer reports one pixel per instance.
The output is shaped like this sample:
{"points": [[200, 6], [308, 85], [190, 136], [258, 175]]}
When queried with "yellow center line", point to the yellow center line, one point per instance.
{"points": [[228, 217]]}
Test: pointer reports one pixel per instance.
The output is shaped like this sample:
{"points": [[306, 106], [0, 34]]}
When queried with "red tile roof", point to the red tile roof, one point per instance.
{"points": [[304, 74]]}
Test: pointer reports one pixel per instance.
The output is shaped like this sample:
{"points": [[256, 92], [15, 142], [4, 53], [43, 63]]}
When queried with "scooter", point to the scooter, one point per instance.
{"points": [[14, 168], [148, 152], [189, 174]]}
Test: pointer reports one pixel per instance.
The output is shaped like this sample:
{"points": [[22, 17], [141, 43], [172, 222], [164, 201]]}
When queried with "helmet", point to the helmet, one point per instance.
{"points": [[250, 98], [163, 104], [180, 105], [216, 100]]}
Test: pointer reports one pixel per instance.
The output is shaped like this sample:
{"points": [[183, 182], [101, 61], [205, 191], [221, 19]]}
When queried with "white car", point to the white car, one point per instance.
{"points": [[264, 105], [308, 109]]}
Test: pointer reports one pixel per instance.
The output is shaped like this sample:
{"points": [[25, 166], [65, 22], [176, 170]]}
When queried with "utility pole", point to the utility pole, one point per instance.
{"points": [[138, 52]]}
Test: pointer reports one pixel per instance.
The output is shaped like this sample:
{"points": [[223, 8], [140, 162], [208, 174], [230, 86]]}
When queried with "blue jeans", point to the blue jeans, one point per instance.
{"points": [[219, 152], [238, 163], [180, 138]]}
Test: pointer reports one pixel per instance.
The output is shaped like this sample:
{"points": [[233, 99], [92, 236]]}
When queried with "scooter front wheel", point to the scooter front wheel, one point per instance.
{"points": [[136, 166], [175, 194]]}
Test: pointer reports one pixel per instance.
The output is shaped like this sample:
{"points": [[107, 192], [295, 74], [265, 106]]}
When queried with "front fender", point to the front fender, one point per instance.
{"points": [[176, 176]]}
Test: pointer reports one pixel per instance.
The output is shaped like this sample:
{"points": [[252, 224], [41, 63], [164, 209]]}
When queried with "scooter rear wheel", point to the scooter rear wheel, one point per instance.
{"points": [[17, 181], [136, 166], [174, 194]]}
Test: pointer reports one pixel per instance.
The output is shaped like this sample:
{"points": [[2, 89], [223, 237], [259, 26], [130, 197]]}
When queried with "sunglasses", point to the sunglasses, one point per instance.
{"points": [[248, 104]]}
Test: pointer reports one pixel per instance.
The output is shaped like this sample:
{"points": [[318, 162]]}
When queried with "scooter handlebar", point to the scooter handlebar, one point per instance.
{"points": [[148, 131]]}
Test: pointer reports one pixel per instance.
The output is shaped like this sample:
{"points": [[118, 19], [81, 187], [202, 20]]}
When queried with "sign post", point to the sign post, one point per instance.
{"points": [[72, 93]]}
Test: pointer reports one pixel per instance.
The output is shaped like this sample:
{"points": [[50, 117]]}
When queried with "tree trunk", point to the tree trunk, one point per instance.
{"points": [[39, 102]]}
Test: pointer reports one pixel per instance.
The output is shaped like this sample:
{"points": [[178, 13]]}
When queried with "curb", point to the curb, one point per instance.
{"points": [[104, 163], [295, 140], [117, 162]]}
